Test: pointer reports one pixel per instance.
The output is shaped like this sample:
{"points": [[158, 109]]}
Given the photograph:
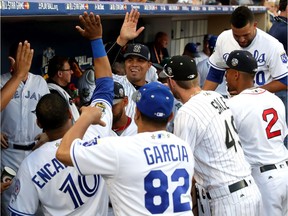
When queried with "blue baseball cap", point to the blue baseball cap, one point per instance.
{"points": [[212, 41], [192, 48], [154, 100]]}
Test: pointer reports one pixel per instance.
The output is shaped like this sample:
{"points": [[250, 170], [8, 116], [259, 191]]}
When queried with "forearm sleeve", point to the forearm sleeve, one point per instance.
{"points": [[215, 75]]}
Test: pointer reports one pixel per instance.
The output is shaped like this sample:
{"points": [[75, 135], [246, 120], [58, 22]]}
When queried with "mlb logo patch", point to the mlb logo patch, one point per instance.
{"points": [[284, 58]]}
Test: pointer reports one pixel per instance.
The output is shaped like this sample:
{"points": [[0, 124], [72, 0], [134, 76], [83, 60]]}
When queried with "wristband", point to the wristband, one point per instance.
{"points": [[98, 49]]}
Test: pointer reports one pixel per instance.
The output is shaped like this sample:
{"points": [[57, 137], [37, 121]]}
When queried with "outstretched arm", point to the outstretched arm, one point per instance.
{"points": [[276, 86], [21, 68], [92, 30], [129, 28], [128, 32], [89, 115]]}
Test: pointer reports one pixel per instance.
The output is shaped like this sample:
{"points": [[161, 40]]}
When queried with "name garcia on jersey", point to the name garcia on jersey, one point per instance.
{"points": [[164, 153]]}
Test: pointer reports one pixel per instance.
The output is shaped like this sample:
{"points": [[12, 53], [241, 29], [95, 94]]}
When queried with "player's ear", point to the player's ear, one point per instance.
{"points": [[59, 73], [171, 83], [236, 75], [70, 114], [126, 101], [39, 124], [137, 115], [255, 24]]}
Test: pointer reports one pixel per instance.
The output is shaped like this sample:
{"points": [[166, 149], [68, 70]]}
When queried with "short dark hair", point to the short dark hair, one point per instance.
{"points": [[56, 64], [160, 122], [282, 5], [241, 16], [52, 111], [160, 35]]}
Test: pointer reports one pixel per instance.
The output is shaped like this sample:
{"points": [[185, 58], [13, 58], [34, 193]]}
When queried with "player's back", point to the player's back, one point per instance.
{"points": [[60, 189], [260, 120], [207, 125], [146, 174]]}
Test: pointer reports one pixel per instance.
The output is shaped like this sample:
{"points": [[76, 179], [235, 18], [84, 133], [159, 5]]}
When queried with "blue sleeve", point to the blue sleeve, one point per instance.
{"points": [[284, 80], [215, 75], [104, 89]]}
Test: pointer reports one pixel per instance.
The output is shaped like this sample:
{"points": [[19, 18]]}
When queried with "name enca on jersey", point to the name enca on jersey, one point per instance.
{"points": [[47, 172], [164, 153]]}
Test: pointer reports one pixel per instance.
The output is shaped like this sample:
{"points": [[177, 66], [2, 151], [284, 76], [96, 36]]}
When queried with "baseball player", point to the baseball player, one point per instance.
{"points": [[138, 68], [59, 188], [206, 123], [123, 125], [146, 174], [18, 122], [260, 120], [244, 35]]}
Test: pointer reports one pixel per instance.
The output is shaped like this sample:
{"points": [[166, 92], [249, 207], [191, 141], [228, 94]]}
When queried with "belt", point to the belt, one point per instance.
{"points": [[24, 147], [268, 167], [233, 187]]}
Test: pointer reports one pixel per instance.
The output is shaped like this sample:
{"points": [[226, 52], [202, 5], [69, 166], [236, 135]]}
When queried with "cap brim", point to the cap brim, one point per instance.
{"points": [[163, 75], [135, 54], [157, 66], [222, 65], [196, 55], [116, 101]]}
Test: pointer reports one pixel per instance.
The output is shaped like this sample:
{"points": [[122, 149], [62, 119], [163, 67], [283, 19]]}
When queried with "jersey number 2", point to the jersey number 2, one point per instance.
{"points": [[270, 134], [156, 185]]}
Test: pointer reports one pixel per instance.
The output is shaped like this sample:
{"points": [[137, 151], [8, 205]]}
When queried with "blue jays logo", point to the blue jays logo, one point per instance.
{"points": [[284, 58], [16, 190]]}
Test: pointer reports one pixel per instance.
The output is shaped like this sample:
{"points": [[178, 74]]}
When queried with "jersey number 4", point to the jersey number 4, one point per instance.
{"points": [[157, 197], [230, 134], [270, 134]]}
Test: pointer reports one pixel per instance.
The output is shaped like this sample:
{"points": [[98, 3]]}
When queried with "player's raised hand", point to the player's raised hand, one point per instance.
{"points": [[23, 60], [92, 115], [92, 27], [129, 27]]}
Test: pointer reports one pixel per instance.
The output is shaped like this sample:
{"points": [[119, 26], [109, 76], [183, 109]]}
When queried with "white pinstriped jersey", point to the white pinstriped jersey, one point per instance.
{"points": [[269, 52], [148, 173], [260, 120], [151, 76], [206, 123]]}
